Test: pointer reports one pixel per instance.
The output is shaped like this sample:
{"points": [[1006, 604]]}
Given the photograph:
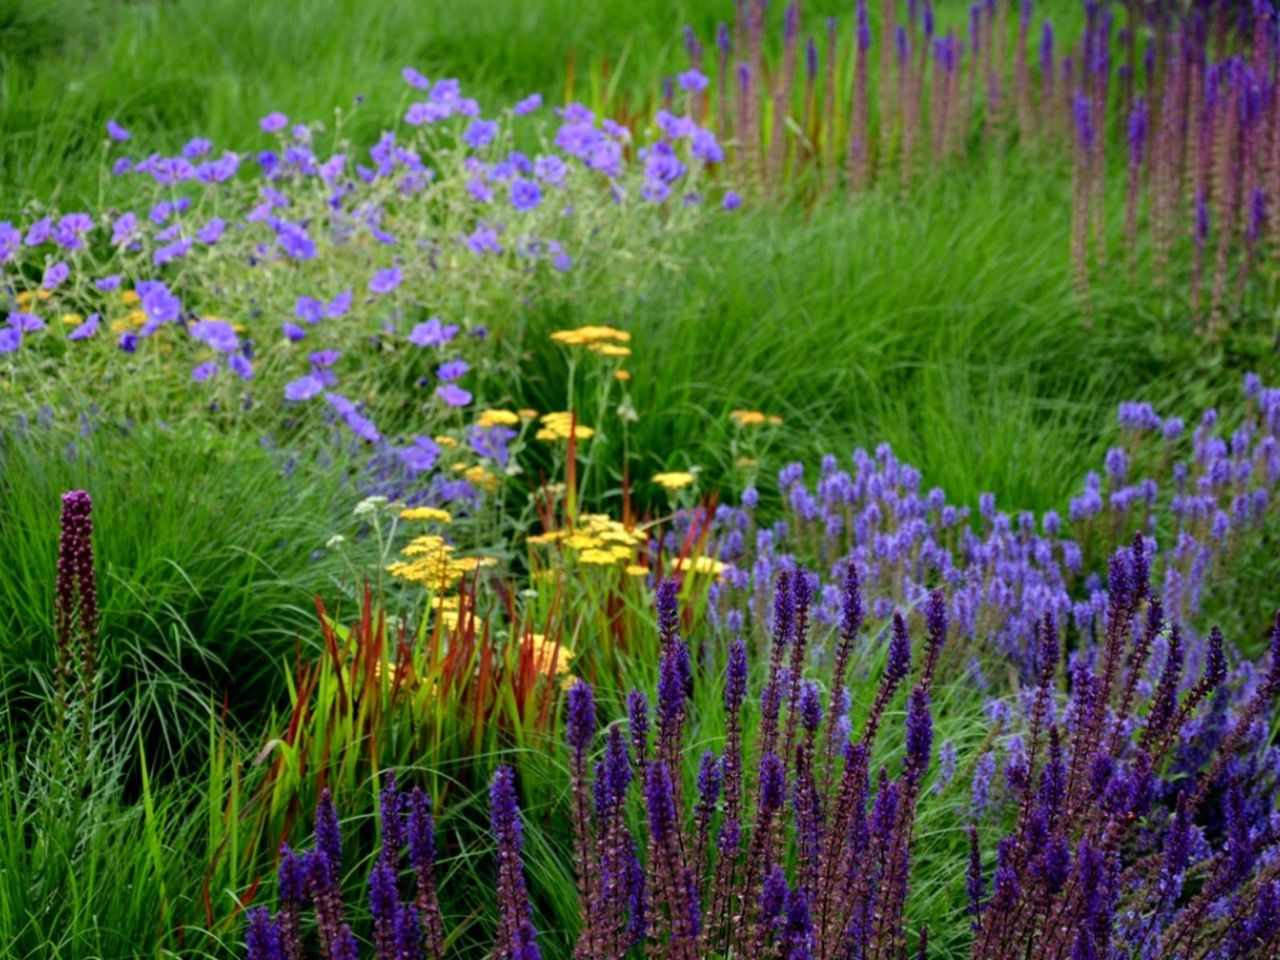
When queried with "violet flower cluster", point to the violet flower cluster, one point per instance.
{"points": [[705, 873], [305, 275], [403, 927], [1199, 496]]}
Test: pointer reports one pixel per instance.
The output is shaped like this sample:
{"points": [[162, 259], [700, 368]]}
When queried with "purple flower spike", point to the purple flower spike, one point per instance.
{"points": [[581, 721]]}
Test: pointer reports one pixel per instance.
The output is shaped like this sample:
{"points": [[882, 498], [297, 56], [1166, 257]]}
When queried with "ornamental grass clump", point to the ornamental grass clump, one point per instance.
{"points": [[1167, 111]]}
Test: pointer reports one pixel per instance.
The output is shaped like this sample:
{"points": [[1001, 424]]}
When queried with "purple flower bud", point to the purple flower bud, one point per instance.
{"points": [[975, 886], [660, 802], [262, 940], [919, 732], [1082, 112], [1257, 215], [784, 612], [638, 722], [810, 706], [723, 38], [735, 686], [329, 837], [580, 725], [668, 603], [773, 783], [790, 22], [709, 780], [899, 663]]}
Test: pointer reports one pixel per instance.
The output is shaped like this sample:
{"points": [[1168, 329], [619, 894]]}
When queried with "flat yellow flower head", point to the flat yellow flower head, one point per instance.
{"points": [[497, 418], [26, 296], [445, 440], [610, 350], [72, 319], [547, 656], [559, 426], [675, 480], [551, 536], [480, 477], [622, 375], [700, 565], [426, 513], [130, 298], [589, 335]]}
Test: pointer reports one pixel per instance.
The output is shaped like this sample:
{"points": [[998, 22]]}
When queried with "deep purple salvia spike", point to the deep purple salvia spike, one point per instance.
{"points": [[262, 940], [851, 614], [408, 934], [580, 727], [936, 622], [783, 610], [919, 733], [580, 723], [670, 877], [515, 935], [384, 908], [329, 837], [975, 886], [391, 818], [422, 857], [899, 663], [668, 604], [638, 724], [291, 887]]}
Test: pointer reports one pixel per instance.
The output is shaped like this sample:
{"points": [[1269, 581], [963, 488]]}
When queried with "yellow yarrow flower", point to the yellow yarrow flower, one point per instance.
{"points": [[675, 480], [26, 296], [609, 350], [754, 418], [445, 441], [549, 657], [72, 319], [426, 513], [588, 335], [559, 426], [700, 565], [497, 418], [623, 375], [130, 298], [482, 478]]}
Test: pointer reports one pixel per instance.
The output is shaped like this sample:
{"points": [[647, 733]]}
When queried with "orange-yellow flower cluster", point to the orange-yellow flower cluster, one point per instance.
{"points": [[559, 426], [433, 564], [599, 541], [754, 418], [602, 340]]}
